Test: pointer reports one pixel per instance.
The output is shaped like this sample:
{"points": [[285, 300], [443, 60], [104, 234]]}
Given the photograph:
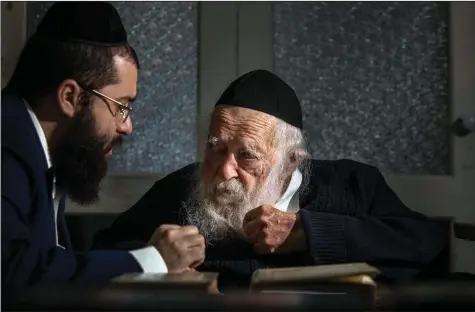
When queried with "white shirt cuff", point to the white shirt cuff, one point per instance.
{"points": [[150, 260]]}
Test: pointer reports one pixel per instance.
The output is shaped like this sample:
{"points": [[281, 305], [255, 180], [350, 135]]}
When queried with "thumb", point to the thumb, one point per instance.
{"points": [[250, 215], [165, 227], [157, 234]]}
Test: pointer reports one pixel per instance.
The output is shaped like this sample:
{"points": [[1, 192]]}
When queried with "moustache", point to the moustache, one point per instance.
{"points": [[230, 188], [116, 142]]}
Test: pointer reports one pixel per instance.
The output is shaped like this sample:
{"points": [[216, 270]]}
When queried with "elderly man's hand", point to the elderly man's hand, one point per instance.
{"points": [[271, 230], [181, 247]]}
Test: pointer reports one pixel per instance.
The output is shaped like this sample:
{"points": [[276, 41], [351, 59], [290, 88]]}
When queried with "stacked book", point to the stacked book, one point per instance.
{"points": [[352, 283]]}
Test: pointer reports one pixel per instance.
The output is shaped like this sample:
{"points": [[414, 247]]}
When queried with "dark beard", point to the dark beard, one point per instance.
{"points": [[79, 162]]}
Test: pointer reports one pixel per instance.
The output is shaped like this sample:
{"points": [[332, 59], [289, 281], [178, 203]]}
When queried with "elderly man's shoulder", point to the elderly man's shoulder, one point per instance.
{"points": [[186, 171], [343, 168], [184, 174]]}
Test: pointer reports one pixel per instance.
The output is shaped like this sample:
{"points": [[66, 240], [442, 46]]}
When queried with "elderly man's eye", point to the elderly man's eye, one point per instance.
{"points": [[247, 155], [212, 146], [215, 148]]}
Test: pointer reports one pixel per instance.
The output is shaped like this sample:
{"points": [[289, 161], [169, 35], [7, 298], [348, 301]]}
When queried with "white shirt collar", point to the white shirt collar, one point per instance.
{"points": [[295, 182], [41, 133], [44, 144]]}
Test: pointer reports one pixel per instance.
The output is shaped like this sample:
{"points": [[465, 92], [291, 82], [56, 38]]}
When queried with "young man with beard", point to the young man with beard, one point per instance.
{"points": [[66, 106], [261, 202]]}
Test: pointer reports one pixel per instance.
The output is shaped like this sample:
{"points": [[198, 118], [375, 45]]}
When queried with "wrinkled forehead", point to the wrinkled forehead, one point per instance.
{"points": [[242, 124]]}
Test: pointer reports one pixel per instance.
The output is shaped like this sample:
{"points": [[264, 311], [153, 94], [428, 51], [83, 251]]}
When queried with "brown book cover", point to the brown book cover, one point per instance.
{"points": [[312, 273], [205, 282], [351, 282]]}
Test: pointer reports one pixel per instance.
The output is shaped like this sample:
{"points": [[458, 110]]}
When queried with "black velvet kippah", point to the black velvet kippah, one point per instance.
{"points": [[95, 23], [264, 91]]}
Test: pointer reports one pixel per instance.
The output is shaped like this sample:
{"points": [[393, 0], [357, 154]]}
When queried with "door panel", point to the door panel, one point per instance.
{"points": [[453, 195], [372, 79]]}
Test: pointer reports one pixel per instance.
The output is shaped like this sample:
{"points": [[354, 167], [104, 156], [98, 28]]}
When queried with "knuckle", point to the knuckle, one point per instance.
{"points": [[192, 229], [176, 245], [168, 235], [268, 207], [265, 221], [163, 228], [266, 210]]}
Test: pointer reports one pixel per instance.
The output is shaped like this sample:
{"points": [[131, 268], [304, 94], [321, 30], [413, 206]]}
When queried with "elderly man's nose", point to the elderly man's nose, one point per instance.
{"points": [[228, 168]]}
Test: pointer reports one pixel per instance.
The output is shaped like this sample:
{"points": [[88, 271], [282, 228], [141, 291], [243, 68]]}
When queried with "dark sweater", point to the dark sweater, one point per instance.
{"points": [[349, 214]]}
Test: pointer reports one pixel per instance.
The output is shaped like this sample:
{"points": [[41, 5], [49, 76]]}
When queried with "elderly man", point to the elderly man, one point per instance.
{"points": [[260, 202]]}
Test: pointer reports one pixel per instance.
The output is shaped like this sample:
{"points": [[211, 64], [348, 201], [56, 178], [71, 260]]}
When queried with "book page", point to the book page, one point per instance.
{"points": [[310, 273]]}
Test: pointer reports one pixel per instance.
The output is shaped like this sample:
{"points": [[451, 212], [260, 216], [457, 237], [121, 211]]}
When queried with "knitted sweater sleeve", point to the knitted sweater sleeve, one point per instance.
{"points": [[358, 218]]}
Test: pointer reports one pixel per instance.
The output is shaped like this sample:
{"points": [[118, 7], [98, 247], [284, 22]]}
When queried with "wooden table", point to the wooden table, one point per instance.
{"points": [[435, 295]]}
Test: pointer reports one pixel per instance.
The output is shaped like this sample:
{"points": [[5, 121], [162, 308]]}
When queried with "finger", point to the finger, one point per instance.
{"points": [[165, 227], [188, 269], [254, 237], [256, 212], [253, 226], [189, 230], [250, 215], [266, 238], [194, 240], [179, 232], [196, 264], [162, 232], [262, 248], [196, 256]]}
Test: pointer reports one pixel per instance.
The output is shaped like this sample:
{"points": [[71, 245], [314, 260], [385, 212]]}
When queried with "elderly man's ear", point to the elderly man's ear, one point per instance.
{"points": [[296, 158]]}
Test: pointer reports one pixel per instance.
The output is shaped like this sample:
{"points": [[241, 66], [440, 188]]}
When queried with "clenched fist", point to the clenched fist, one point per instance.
{"points": [[181, 247], [271, 230]]}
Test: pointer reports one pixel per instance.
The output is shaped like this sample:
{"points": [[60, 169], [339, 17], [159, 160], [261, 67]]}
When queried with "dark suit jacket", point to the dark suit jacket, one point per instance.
{"points": [[30, 256]]}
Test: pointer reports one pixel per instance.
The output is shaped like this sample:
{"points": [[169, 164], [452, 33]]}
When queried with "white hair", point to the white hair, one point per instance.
{"points": [[216, 223], [291, 146], [289, 140]]}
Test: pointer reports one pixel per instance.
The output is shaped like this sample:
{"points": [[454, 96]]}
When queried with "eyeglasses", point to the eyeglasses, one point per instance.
{"points": [[123, 108]]}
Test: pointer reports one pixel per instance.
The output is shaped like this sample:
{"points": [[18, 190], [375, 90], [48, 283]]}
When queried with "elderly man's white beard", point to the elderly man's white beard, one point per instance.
{"points": [[218, 210]]}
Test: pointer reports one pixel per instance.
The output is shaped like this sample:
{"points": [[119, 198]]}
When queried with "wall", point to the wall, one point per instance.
{"points": [[164, 35], [373, 79]]}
